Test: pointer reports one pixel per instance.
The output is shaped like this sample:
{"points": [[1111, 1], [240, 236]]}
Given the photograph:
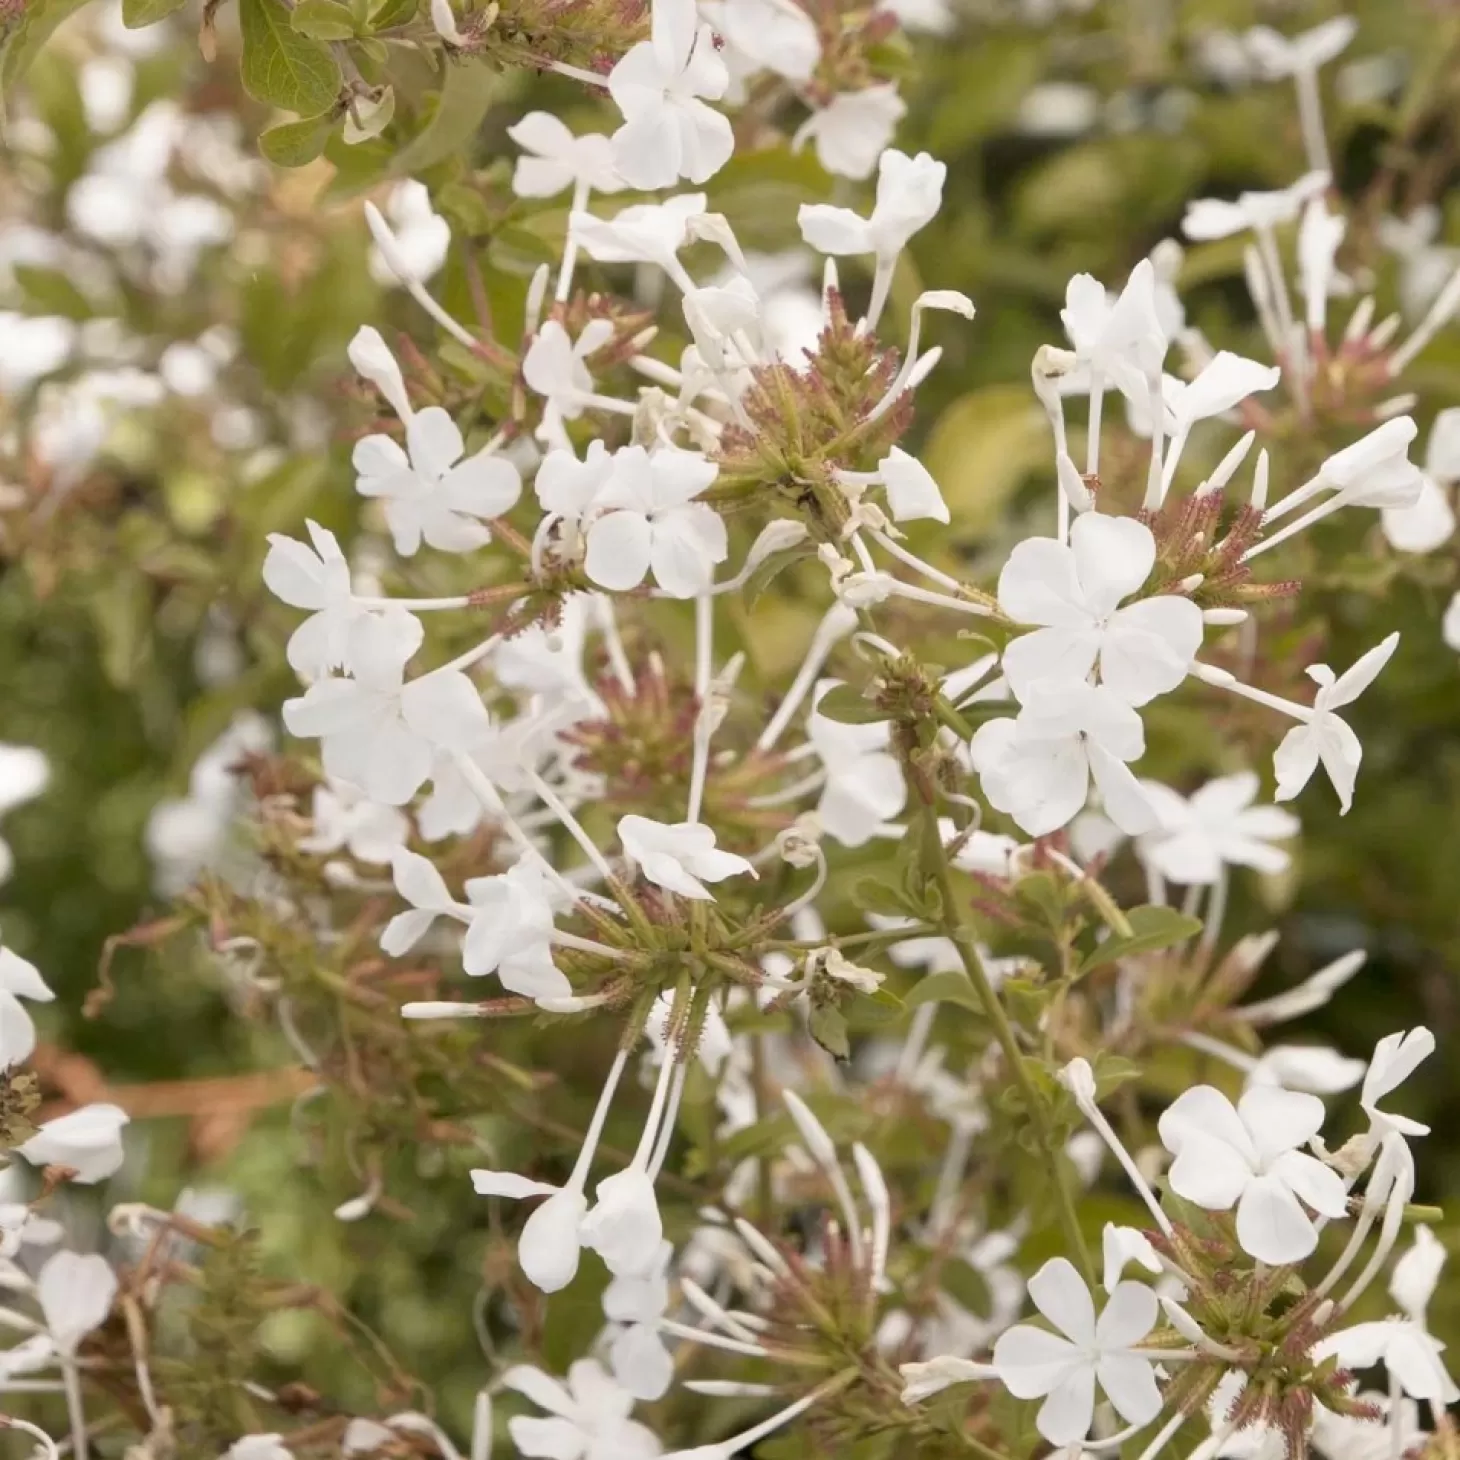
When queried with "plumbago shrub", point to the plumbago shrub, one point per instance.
{"points": [[782, 967]]}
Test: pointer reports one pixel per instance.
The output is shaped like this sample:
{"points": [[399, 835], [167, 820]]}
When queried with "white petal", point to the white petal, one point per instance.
{"points": [[1271, 1226], [619, 547]]}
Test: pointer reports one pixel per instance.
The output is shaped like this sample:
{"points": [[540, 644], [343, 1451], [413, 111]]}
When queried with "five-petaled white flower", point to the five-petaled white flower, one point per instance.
{"points": [[555, 367], [433, 494], [1038, 767], [554, 159], [679, 858], [1216, 827], [1396, 1057], [1064, 1368], [649, 521], [1324, 737], [660, 86], [1118, 340], [377, 731], [1249, 1157], [1074, 591], [344, 820], [589, 1416]]}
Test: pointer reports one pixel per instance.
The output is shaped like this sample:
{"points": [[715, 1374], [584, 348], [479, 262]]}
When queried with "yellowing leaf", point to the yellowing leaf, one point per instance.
{"points": [[983, 446]]}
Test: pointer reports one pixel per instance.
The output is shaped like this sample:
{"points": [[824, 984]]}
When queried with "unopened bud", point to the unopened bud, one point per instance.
{"points": [[800, 843]]}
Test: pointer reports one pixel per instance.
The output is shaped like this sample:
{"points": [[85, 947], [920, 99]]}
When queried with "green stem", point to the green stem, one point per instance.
{"points": [[963, 940]]}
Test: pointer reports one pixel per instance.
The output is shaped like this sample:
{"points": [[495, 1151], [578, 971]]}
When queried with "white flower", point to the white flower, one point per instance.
{"points": [[680, 858], [640, 1361], [930, 15], [1375, 471], [1396, 1057], [909, 194], [1121, 1246], [1277, 55], [1403, 1347], [346, 820], [317, 579], [549, 1248], [1119, 341], [1218, 826], [646, 233], [88, 1140], [853, 130], [864, 782], [912, 494], [261, 1447], [589, 1416], [75, 1294], [1073, 591], [922, 1380], [650, 521], [19, 979], [1248, 1157], [659, 86], [1325, 737], [376, 731], [555, 159], [422, 236], [1416, 1275], [1063, 1368], [510, 933], [1209, 218], [624, 1226], [1430, 520], [773, 35], [432, 493], [1038, 768], [1319, 237], [1225, 381], [24, 774], [555, 367], [1450, 624], [1309, 1067]]}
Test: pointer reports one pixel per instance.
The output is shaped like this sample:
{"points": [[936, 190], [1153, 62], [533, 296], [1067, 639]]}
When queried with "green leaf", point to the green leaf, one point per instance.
{"points": [[139, 13], [52, 292], [872, 895], [323, 20], [1151, 928], [982, 447], [829, 1029], [293, 144], [847, 705], [953, 986], [392, 12], [470, 88], [282, 67]]}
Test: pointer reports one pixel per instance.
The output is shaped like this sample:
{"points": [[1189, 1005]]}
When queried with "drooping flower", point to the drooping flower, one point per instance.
{"points": [[649, 521], [422, 237], [1325, 738], [640, 1361], [432, 494], [1064, 1368], [661, 86], [1249, 1157], [1430, 520], [1074, 591], [679, 858]]}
